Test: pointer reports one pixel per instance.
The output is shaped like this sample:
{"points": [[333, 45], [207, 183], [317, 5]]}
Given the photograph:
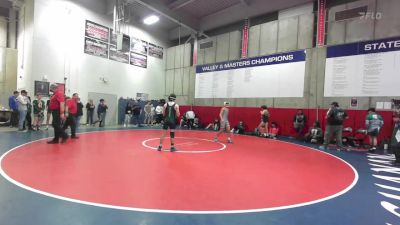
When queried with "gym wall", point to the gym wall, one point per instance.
{"points": [[51, 47], [292, 31]]}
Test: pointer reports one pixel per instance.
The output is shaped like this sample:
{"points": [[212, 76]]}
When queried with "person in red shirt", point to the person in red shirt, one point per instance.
{"points": [[273, 130], [71, 112], [57, 107]]}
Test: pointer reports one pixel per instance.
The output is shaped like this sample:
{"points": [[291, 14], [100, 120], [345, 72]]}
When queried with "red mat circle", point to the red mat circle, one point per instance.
{"points": [[114, 169]]}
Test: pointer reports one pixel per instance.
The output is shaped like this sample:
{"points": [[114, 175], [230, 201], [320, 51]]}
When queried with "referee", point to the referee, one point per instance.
{"points": [[57, 107]]}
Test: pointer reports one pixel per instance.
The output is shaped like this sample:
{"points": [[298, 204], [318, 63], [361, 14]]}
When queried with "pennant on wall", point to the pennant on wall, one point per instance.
{"points": [[195, 51], [321, 22], [245, 38]]}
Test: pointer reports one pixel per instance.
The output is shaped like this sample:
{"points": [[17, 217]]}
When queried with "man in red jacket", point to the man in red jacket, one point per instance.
{"points": [[72, 111], [57, 107]]}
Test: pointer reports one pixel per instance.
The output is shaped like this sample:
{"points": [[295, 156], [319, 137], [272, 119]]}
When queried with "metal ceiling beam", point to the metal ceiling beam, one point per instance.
{"points": [[179, 4], [245, 2], [166, 14], [239, 3]]}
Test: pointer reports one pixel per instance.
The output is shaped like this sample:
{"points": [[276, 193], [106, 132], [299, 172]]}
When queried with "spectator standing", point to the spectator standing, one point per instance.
{"points": [[128, 113], [159, 113], [153, 113], [89, 112], [147, 110], [79, 113], [13, 105], [299, 122], [71, 114], [57, 107], [22, 100], [136, 111], [38, 112], [102, 112], [395, 143], [374, 123], [335, 118], [48, 116], [28, 119]]}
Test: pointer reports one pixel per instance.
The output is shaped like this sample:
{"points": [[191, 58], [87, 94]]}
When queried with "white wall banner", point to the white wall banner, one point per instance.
{"points": [[363, 69], [278, 75]]}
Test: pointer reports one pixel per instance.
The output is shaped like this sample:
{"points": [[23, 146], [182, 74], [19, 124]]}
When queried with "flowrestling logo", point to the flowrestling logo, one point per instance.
{"points": [[370, 15]]}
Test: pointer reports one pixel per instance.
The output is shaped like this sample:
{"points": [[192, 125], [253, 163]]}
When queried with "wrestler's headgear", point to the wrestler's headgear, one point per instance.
{"points": [[172, 97]]}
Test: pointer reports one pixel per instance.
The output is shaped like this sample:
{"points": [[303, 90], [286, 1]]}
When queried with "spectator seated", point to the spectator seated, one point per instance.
{"points": [[273, 131], [196, 123], [214, 125], [239, 129], [190, 115], [184, 122], [357, 140], [315, 134]]}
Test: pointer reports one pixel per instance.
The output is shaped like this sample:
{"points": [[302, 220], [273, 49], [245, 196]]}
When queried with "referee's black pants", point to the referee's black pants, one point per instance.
{"points": [[58, 126], [71, 121]]}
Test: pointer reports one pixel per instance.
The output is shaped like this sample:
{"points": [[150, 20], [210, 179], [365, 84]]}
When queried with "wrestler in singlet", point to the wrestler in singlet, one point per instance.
{"points": [[264, 117], [224, 119]]}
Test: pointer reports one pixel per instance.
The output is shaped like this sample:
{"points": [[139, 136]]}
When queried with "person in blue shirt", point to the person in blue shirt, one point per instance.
{"points": [[13, 104]]}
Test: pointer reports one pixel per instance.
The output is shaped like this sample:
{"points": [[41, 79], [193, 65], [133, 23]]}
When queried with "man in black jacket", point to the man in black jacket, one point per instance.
{"points": [[334, 117]]}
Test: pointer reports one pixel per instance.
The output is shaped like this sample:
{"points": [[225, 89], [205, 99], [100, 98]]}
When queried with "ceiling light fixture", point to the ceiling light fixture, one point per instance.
{"points": [[151, 20]]}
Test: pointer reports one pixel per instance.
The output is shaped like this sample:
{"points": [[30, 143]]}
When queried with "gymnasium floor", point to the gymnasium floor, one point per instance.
{"points": [[115, 176]]}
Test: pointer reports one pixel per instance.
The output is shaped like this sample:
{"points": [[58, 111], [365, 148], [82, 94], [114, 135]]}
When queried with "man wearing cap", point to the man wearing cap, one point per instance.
{"points": [[334, 117], [57, 107], [171, 114]]}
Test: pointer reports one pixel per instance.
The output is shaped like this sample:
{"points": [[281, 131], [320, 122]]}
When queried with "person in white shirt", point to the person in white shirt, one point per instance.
{"points": [[22, 100], [190, 115], [159, 113], [147, 110]]}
